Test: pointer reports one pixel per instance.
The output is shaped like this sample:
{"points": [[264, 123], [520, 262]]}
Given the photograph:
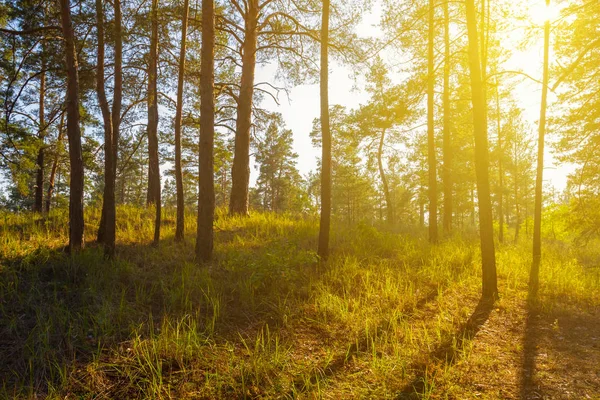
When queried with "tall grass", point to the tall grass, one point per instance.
{"points": [[265, 319]]}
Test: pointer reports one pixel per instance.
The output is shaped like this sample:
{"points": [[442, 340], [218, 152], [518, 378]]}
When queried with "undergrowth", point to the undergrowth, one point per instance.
{"points": [[265, 319]]}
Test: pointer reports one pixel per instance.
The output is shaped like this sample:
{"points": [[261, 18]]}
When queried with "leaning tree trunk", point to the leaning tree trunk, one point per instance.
{"points": [[431, 161], [325, 222], [76, 223], [179, 227], [486, 229], [54, 164], [38, 205], [447, 146], [240, 172], [384, 181], [534, 277], [153, 166], [206, 172]]}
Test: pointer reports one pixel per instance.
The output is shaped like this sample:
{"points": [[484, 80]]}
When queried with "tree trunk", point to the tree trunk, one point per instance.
{"points": [[447, 147], [431, 159], [500, 172], [179, 227], [534, 276], [486, 229], [76, 223], [516, 190], [240, 172], [153, 164], [38, 205], [206, 176], [325, 221], [107, 228], [54, 165], [384, 181]]}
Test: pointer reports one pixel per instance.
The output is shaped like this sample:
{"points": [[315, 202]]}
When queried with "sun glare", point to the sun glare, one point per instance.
{"points": [[540, 13]]}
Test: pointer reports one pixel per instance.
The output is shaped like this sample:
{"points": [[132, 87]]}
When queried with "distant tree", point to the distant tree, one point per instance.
{"points": [[278, 181]]}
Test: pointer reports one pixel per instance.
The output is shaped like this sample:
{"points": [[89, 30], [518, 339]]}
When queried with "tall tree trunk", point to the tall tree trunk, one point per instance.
{"points": [[54, 164], [76, 223], [486, 229], [516, 191], [38, 205], [534, 277], [447, 147], [240, 172], [500, 171], [431, 159], [153, 165], [179, 227], [384, 181], [106, 230], [206, 174], [325, 222]]}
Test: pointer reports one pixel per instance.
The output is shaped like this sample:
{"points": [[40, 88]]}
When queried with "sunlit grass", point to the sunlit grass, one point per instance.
{"points": [[265, 319]]}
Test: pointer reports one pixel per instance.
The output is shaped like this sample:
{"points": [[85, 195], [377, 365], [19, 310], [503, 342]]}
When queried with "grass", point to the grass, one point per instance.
{"points": [[389, 316]]}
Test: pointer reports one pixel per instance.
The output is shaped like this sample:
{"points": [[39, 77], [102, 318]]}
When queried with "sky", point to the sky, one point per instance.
{"points": [[303, 104]]}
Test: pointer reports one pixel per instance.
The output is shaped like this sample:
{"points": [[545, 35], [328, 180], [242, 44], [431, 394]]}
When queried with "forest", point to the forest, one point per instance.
{"points": [[248, 199]]}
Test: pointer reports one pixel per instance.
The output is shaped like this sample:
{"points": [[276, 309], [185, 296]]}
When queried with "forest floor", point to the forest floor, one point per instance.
{"points": [[388, 316]]}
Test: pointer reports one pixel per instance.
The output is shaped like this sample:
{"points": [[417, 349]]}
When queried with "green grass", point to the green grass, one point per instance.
{"points": [[386, 317]]}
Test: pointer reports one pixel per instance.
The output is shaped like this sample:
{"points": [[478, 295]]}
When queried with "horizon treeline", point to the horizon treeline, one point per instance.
{"points": [[157, 104]]}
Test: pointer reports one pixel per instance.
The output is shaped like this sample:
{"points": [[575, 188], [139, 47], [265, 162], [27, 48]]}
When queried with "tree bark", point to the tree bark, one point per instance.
{"points": [[54, 165], [38, 205], [153, 165], [206, 176], [240, 172], [76, 222], [179, 227], [325, 221], [516, 191], [431, 158], [447, 146], [384, 181], [534, 277], [486, 229]]}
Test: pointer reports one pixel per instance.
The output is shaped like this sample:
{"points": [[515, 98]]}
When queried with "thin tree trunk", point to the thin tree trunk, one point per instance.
{"points": [[447, 147], [486, 229], [206, 175], [107, 228], [534, 277], [240, 172], [54, 164], [179, 227], [500, 171], [153, 165], [39, 181], [325, 221], [384, 181], [431, 158], [516, 190], [76, 222]]}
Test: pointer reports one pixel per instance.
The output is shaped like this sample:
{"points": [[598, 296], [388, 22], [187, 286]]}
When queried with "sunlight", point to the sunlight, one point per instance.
{"points": [[540, 13]]}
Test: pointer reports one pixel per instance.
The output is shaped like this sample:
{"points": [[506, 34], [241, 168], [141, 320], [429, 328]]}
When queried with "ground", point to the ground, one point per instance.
{"points": [[388, 316]]}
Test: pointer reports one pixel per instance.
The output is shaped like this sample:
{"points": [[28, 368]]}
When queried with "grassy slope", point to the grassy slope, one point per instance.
{"points": [[388, 317]]}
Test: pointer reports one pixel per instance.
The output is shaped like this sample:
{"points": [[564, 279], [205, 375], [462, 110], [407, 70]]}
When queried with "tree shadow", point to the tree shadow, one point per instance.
{"points": [[448, 352], [561, 349]]}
